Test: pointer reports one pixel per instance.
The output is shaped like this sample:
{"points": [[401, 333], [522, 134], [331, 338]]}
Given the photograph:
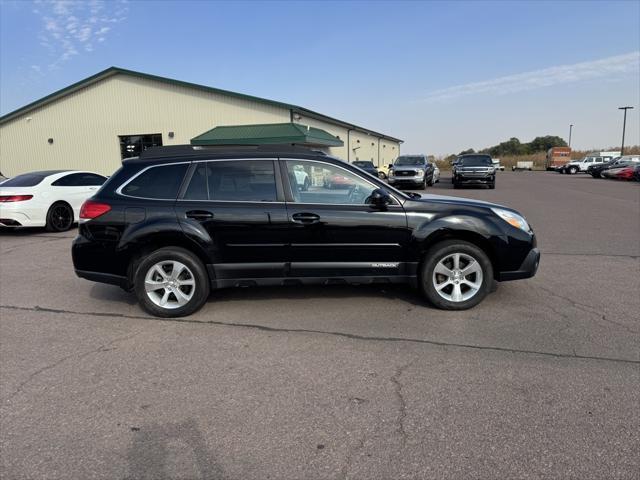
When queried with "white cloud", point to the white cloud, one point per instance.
{"points": [[547, 77], [72, 26]]}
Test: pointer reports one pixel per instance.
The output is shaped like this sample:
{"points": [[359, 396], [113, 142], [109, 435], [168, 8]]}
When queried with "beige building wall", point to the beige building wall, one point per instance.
{"points": [[85, 124], [361, 146], [333, 129], [389, 151]]}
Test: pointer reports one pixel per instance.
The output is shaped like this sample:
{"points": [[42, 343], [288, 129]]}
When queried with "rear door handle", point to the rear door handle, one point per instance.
{"points": [[199, 215], [306, 218]]}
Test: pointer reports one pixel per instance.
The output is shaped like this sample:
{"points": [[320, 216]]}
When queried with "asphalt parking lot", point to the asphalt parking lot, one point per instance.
{"points": [[542, 380]]}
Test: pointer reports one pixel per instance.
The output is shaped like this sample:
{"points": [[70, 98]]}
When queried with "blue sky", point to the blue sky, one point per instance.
{"points": [[444, 76]]}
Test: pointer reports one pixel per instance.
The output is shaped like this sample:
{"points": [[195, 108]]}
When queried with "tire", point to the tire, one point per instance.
{"points": [[492, 186], [382, 176], [193, 292], [59, 217], [455, 186], [573, 170], [469, 255]]}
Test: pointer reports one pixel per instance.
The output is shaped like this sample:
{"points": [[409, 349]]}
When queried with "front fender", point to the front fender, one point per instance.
{"points": [[429, 229]]}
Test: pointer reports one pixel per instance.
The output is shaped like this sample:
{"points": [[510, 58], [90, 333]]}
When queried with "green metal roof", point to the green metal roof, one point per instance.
{"points": [[268, 133], [117, 70]]}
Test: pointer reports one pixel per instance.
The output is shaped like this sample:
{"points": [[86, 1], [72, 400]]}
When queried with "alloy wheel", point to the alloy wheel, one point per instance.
{"points": [[169, 284], [457, 277], [61, 218]]}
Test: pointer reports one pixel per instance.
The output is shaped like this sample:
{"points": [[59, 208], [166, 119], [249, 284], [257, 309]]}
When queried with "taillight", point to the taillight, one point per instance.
{"points": [[91, 209], [15, 198]]}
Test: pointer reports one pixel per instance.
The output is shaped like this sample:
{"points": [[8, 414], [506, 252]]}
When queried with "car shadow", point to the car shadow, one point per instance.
{"points": [[31, 231], [111, 293], [404, 293]]}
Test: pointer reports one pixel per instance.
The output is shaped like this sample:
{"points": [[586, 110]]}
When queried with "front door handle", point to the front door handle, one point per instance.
{"points": [[199, 215], [305, 218]]}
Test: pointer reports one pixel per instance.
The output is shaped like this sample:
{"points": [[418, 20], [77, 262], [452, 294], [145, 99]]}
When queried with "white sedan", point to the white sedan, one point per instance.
{"points": [[49, 198]]}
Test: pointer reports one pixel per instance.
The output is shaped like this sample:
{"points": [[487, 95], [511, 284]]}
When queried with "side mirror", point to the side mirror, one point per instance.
{"points": [[391, 165], [379, 198]]}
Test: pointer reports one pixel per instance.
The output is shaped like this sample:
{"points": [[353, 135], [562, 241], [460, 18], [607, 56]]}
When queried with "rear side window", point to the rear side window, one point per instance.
{"points": [[162, 182], [239, 181], [26, 180], [79, 180]]}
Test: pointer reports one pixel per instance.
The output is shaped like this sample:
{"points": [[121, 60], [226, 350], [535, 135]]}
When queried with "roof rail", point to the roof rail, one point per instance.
{"points": [[190, 150]]}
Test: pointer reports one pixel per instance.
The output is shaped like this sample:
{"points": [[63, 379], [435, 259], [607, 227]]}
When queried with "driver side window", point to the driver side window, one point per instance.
{"points": [[323, 183]]}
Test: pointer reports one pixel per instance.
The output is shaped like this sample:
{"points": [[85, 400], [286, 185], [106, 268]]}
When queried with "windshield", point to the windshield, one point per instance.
{"points": [[475, 161], [364, 164], [410, 160], [25, 180]]}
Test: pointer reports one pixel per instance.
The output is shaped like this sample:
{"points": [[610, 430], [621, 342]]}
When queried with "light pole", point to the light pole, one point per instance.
{"points": [[624, 126], [570, 128]]}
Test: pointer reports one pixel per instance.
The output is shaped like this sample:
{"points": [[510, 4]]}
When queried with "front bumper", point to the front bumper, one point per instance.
{"points": [[484, 179], [528, 268], [406, 180]]}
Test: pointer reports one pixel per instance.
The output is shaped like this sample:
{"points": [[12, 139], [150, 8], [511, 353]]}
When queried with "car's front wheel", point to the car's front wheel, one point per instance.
{"points": [[171, 282], [382, 176], [573, 170], [456, 275]]}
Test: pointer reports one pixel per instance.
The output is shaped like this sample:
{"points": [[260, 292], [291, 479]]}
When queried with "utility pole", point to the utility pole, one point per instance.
{"points": [[570, 128], [624, 126]]}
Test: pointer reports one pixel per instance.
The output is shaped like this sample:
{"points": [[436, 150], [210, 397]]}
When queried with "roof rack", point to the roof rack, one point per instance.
{"points": [[192, 150]]}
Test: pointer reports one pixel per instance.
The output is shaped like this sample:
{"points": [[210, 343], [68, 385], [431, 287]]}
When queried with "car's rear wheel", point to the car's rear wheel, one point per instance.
{"points": [[573, 170], [456, 275], [171, 282], [59, 217]]}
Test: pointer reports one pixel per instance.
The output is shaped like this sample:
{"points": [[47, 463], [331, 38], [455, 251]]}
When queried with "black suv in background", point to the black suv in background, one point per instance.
{"points": [[411, 171], [179, 221], [474, 169]]}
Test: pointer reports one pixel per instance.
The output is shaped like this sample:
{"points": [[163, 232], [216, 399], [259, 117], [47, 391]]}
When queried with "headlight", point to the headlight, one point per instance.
{"points": [[391, 173], [420, 173], [512, 219]]}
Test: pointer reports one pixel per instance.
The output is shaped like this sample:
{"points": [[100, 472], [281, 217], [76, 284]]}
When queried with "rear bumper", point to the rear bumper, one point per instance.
{"points": [[13, 218], [103, 278], [528, 268]]}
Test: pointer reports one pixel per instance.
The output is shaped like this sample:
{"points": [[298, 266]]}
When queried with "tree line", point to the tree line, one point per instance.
{"points": [[513, 146]]}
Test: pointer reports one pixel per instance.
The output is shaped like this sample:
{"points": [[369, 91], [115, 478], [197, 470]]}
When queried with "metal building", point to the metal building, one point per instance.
{"points": [[115, 114]]}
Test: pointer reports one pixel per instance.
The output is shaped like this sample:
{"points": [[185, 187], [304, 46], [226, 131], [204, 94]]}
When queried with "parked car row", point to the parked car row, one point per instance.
{"points": [[605, 165], [596, 158], [621, 168]]}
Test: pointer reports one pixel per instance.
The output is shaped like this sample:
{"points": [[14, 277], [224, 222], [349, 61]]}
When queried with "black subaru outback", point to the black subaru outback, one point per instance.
{"points": [[179, 221]]}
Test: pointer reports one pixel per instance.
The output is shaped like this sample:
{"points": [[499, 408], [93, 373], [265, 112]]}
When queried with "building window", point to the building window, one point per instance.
{"points": [[134, 145]]}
